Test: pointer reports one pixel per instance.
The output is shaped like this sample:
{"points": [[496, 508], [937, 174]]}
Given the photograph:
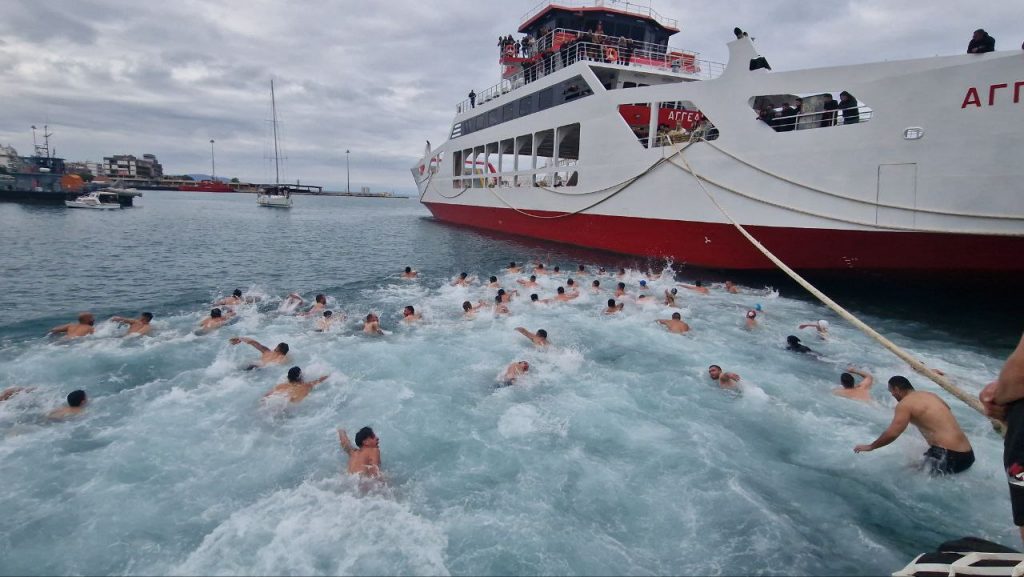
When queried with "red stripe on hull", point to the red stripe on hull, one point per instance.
{"points": [[722, 246]]}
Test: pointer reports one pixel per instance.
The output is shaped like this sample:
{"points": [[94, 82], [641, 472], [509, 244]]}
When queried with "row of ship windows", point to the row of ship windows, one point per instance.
{"points": [[565, 91], [546, 158]]}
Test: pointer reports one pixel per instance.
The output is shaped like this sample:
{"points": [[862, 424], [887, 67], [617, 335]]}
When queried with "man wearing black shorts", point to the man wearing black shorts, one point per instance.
{"points": [[1004, 400]]}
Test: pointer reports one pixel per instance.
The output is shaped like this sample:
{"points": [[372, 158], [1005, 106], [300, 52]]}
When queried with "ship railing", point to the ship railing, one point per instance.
{"points": [[819, 119], [559, 49], [639, 8]]}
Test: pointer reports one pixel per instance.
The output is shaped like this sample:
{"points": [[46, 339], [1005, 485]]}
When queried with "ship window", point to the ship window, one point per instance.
{"points": [[523, 159], [677, 122], [788, 112], [544, 159], [507, 113], [567, 154], [457, 164], [478, 166], [545, 97], [494, 117], [506, 161], [526, 105]]}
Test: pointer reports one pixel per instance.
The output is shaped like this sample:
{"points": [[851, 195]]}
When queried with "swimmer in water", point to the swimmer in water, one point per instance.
{"points": [[371, 325], [364, 457], [555, 270], [532, 282], [857, 392], [949, 451], [731, 288], [506, 296], [500, 308], [462, 280], [469, 309], [581, 270], [751, 319], [697, 287], [675, 325], [216, 319], [539, 269], [513, 372], [325, 322], [595, 287], [139, 326], [821, 326], [622, 273], [563, 296], [409, 273], [725, 380], [670, 298], [793, 344], [234, 299], [11, 391], [409, 315], [512, 268], [572, 285], [643, 285], [539, 338], [613, 308], [83, 327], [493, 282], [620, 290], [76, 404], [276, 356], [534, 298], [319, 305], [295, 388], [290, 303]]}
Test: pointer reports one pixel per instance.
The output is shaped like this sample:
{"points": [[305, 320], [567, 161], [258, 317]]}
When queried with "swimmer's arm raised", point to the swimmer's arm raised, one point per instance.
{"points": [[868, 378], [316, 382], [256, 345], [346, 445], [122, 320], [900, 421]]}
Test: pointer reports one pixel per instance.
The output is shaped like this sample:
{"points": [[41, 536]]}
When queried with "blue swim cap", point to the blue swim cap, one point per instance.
{"points": [[757, 307], [643, 283]]}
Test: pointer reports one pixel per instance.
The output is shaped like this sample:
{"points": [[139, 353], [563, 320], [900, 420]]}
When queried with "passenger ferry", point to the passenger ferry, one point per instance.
{"points": [[601, 134]]}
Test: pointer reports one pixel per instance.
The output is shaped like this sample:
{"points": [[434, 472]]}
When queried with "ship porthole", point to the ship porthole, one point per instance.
{"points": [[913, 133]]}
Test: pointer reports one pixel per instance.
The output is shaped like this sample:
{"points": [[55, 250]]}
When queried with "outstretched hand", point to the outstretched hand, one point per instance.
{"points": [[235, 340], [862, 449]]}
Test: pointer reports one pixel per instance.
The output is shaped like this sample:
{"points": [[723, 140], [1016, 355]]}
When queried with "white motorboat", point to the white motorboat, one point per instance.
{"points": [[96, 200]]}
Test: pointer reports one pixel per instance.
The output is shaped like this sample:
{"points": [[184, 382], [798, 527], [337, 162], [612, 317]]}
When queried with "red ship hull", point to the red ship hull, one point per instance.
{"points": [[207, 186], [714, 245]]}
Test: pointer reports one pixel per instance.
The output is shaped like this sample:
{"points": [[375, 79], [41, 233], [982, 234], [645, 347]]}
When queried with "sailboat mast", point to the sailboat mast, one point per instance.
{"points": [[273, 107]]}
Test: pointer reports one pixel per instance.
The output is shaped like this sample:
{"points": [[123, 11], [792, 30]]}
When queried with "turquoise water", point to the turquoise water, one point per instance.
{"points": [[614, 455]]}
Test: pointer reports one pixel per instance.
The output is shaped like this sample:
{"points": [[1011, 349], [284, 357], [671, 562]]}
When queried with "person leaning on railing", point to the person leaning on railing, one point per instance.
{"points": [[848, 104]]}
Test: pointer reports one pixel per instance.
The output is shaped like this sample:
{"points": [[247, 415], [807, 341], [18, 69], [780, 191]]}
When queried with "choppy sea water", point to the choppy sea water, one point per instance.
{"points": [[615, 454]]}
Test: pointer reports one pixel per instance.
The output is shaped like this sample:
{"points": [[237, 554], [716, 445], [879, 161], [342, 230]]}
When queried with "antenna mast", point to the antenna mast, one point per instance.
{"points": [[273, 107]]}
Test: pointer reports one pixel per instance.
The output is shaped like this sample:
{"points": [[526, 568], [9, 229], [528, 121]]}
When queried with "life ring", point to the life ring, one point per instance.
{"points": [[510, 50], [611, 54]]}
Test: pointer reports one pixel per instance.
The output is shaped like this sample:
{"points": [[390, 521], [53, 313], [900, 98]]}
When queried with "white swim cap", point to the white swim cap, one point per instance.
{"points": [[823, 325]]}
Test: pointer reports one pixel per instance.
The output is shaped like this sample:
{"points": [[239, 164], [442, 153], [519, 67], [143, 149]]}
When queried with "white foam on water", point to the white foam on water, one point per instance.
{"points": [[615, 453]]}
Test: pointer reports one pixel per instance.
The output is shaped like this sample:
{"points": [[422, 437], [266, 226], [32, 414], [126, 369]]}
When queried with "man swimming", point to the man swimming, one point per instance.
{"points": [[539, 338], [409, 273], [821, 326], [528, 283], [620, 290], [295, 388], [751, 319], [506, 296], [319, 305], [76, 404], [493, 282], [857, 392], [675, 325], [371, 325], [725, 380], [793, 344], [670, 298], [949, 451], [324, 323], [276, 356], [595, 287], [612, 307], [234, 299], [534, 298], [697, 287], [563, 296], [513, 268], [82, 328], [500, 307], [581, 270], [409, 315], [139, 326], [364, 458], [10, 392], [462, 280], [731, 288], [469, 309], [216, 319], [513, 372], [539, 269]]}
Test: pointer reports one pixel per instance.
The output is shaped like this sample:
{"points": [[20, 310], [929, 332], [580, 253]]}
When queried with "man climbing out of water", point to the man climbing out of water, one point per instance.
{"points": [[697, 287], [295, 388], [821, 326], [670, 298], [409, 273], [76, 404], [725, 380], [513, 372], [1004, 400], [216, 319], [83, 327], [675, 325], [409, 315], [371, 325], [276, 356], [857, 392], [539, 338], [364, 458], [613, 307], [949, 451], [793, 344], [139, 326], [463, 280]]}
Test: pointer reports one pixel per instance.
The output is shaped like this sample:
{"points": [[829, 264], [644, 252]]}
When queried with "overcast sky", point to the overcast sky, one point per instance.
{"points": [[375, 77]]}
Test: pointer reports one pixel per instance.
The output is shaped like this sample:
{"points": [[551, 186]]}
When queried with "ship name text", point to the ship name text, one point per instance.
{"points": [[973, 97]]}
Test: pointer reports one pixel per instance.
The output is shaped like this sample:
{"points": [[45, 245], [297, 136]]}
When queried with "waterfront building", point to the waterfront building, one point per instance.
{"points": [[128, 166]]}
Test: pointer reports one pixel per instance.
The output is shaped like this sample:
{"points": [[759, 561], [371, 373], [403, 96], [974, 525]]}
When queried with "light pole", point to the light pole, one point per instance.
{"points": [[348, 175], [213, 163]]}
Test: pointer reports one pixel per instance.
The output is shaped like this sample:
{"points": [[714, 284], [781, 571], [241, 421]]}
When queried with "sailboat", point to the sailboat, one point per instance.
{"points": [[276, 196]]}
